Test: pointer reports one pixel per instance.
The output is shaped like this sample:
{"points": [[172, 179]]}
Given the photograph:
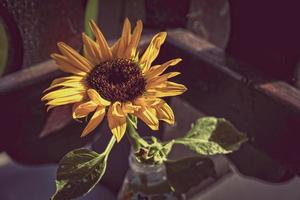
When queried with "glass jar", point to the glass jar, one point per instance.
{"points": [[146, 182]]}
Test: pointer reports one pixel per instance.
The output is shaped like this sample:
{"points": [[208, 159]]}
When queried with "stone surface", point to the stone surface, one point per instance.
{"points": [[239, 187], [35, 183]]}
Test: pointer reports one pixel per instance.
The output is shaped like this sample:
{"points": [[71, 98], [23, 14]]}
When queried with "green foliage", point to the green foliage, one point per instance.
{"points": [[132, 120], [210, 136], [135, 139], [154, 153], [78, 172], [188, 172]]}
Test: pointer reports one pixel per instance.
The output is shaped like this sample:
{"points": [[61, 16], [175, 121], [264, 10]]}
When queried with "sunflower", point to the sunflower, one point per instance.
{"points": [[114, 80]]}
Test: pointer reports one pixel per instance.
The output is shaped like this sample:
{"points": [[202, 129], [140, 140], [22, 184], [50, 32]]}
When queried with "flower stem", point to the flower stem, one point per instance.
{"points": [[109, 146], [135, 139]]}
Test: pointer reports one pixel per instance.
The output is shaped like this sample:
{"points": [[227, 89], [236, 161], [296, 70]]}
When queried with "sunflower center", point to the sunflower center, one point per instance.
{"points": [[117, 80]]}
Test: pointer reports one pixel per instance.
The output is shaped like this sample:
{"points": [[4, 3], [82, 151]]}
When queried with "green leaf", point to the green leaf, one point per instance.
{"points": [[133, 120], [188, 172], [167, 147], [4, 45], [78, 172], [210, 135], [135, 139], [91, 13]]}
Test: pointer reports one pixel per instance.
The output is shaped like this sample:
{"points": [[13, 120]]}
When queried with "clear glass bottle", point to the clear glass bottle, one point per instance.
{"points": [[146, 182]]}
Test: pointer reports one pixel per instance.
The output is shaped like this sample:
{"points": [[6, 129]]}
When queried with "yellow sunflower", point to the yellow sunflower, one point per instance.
{"points": [[114, 80]]}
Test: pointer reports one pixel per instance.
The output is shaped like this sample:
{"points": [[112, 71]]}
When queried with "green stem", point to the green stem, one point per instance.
{"points": [[3, 47], [188, 140], [109, 146], [91, 13], [135, 139]]}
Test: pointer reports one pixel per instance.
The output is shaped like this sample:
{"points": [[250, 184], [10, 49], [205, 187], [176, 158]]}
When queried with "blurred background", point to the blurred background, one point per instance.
{"points": [[245, 55]]}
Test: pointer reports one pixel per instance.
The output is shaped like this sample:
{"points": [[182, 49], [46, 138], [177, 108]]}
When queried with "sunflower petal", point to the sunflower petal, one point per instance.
{"points": [[66, 100], [156, 81], [91, 50], [116, 123], [74, 57], [135, 38], [65, 65], [124, 40], [135, 58], [103, 46], [74, 106], [117, 109], [148, 115], [94, 121], [169, 89], [95, 96], [159, 69], [145, 101], [129, 107], [67, 84], [82, 110], [152, 51], [68, 78], [61, 93], [164, 112]]}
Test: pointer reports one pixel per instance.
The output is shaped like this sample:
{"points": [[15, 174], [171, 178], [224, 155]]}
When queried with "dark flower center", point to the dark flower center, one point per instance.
{"points": [[117, 80]]}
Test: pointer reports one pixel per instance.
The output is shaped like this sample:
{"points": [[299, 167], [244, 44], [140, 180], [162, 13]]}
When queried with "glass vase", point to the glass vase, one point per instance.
{"points": [[146, 182]]}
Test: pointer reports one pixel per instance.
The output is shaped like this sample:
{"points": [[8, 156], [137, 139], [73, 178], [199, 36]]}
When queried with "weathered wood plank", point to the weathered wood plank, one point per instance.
{"points": [[282, 92], [30, 76]]}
